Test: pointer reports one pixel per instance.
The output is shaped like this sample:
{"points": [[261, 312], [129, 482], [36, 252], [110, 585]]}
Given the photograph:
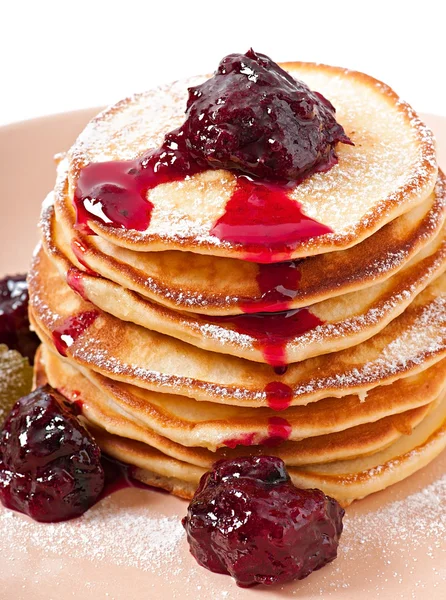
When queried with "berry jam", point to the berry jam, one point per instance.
{"points": [[71, 329], [74, 280], [14, 322], [278, 284], [265, 221], [279, 430], [278, 395], [251, 118], [248, 520], [272, 331], [79, 251], [50, 466], [254, 118]]}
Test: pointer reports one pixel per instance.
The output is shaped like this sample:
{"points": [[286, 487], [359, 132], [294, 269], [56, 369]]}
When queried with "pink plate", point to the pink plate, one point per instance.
{"points": [[131, 545]]}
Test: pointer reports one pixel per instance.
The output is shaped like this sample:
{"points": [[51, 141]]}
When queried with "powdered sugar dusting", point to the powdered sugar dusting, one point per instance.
{"points": [[398, 546], [346, 328], [403, 237], [128, 535], [399, 533]]}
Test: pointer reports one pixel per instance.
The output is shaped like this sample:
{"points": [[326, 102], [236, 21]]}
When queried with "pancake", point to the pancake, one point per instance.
{"points": [[211, 426], [344, 480], [391, 168], [126, 352], [328, 326], [222, 286], [181, 347], [353, 442]]}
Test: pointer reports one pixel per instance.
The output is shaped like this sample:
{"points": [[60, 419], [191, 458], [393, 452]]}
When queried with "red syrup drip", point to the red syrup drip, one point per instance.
{"points": [[263, 219], [278, 395], [114, 193], [76, 406], [260, 216], [71, 329], [278, 284], [272, 129], [74, 280], [79, 251], [272, 331], [279, 430], [280, 370], [247, 439]]}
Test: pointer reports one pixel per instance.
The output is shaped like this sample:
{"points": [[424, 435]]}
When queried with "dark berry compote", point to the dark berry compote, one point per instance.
{"points": [[50, 466], [248, 520], [252, 118], [14, 322], [255, 118]]}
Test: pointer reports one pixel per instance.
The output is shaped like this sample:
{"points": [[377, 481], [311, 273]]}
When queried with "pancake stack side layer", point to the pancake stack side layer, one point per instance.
{"points": [[182, 348]]}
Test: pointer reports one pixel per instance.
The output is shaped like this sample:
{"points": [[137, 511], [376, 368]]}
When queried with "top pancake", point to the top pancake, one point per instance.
{"points": [[206, 284], [390, 170]]}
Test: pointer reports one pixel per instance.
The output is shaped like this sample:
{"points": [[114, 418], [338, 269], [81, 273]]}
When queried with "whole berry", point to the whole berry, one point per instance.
{"points": [[50, 466], [248, 520]]}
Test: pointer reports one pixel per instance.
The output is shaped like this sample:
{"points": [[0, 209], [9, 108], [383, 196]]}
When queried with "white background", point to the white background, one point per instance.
{"points": [[57, 56]]}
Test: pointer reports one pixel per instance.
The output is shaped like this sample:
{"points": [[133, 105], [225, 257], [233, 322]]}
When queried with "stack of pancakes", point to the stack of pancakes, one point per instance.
{"points": [[161, 336]]}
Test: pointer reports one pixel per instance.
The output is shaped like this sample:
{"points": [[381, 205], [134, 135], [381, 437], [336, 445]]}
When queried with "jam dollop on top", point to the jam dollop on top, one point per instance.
{"points": [[50, 466], [255, 118], [248, 520], [252, 118]]}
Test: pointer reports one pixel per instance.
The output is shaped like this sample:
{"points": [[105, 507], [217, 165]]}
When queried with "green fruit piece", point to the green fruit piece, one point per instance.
{"points": [[16, 377]]}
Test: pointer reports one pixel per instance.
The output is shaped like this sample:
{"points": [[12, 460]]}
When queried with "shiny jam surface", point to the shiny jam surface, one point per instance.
{"points": [[251, 118], [248, 520], [71, 329], [50, 466], [265, 221], [278, 285], [272, 331]]}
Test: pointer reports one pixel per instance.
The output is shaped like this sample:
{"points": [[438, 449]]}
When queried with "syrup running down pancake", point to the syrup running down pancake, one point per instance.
{"points": [[212, 285], [251, 266], [391, 169], [274, 338]]}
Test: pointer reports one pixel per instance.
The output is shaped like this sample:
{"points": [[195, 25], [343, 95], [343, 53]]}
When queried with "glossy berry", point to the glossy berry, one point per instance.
{"points": [[254, 117], [14, 322], [248, 520], [50, 466]]}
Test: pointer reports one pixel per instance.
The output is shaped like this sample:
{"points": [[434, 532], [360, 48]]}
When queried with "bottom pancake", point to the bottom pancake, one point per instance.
{"points": [[346, 480], [99, 410], [211, 426]]}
